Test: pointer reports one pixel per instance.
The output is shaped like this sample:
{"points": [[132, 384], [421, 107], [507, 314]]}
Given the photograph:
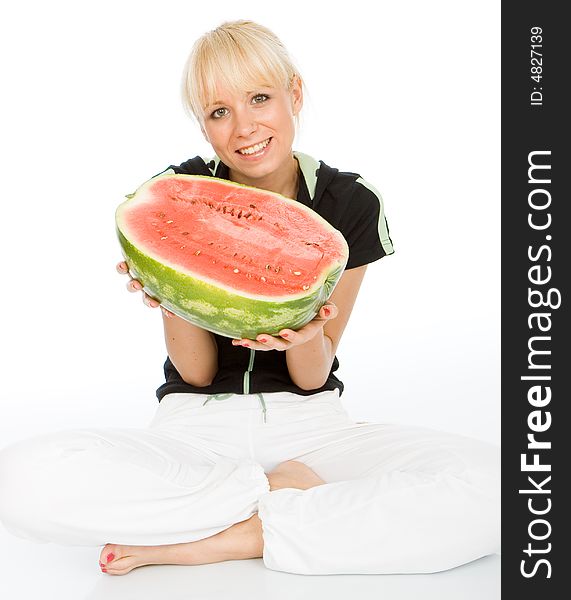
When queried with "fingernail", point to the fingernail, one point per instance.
{"points": [[110, 557], [246, 344], [104, 569], [263, 340], [326, 311], [284, 335]]}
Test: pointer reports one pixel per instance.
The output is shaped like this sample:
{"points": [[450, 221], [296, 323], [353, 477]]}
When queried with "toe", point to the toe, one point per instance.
{"points": [[121, 567], [110, 553]]}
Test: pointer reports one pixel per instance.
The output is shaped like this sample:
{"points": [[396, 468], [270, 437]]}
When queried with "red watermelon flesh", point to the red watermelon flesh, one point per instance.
{"points": [[241, 244]]}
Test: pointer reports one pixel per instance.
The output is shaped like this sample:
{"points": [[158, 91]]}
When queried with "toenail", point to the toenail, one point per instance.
{"points": [[110, 557]]}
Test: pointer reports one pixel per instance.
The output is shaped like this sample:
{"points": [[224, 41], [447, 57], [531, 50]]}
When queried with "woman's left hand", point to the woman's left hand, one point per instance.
{"points": [[288, 338]]}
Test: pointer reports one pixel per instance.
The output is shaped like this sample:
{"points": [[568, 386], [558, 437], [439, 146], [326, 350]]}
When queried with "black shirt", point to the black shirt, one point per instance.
{"points": [[348, 203]]}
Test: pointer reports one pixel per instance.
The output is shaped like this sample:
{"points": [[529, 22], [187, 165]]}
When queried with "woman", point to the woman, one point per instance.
{"points": [[209, 480]]}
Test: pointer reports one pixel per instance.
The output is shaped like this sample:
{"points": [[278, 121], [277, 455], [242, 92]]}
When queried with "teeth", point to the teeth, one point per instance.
{"points": [[256, 148]]}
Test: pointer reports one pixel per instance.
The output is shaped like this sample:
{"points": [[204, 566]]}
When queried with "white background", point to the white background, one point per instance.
{"points": [[407, 96]]}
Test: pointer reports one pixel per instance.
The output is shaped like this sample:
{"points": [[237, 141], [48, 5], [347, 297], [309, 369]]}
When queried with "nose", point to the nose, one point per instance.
{"points": [[245, 124]]}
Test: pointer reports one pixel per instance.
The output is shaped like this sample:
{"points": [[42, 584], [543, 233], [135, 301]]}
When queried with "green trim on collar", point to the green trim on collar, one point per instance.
{"points": [[207, 161], [309, 167]]}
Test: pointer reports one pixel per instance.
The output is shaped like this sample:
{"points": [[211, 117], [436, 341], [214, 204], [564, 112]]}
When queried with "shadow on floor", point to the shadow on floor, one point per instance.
{"points": [[251, 580]]}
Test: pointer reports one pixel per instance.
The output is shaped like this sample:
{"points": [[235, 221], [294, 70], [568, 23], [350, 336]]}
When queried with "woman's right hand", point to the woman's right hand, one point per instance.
{"points": [[133, 285]]}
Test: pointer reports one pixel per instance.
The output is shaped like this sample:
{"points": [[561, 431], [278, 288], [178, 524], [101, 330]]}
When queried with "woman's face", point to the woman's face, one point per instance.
{"points": [[253, 132]]}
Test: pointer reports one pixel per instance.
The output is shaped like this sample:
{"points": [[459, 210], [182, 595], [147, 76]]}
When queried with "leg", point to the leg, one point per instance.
{"points": [[398, 500], [240, 541], [89, 487]]}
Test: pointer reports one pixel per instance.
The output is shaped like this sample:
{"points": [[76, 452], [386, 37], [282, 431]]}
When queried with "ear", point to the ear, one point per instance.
{"points": [[296, 94]]}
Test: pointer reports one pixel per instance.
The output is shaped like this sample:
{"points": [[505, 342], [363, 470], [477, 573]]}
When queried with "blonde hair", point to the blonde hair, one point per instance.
{"points": [[241, 55]]}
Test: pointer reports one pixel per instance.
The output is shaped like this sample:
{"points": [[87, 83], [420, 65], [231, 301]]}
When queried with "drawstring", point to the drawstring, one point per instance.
{"points": [[262, 402], [246, 386], [226, 396], [217, 397]]}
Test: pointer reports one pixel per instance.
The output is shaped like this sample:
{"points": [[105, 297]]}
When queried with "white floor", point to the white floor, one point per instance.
{"points": [[49, 572]]}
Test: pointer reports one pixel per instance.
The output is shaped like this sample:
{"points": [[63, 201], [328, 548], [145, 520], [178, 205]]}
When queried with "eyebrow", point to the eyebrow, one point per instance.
{"points": [[246, 93]]}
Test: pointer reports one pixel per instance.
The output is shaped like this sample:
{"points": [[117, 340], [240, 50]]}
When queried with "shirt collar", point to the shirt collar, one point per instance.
{"points": [[308, 166]]}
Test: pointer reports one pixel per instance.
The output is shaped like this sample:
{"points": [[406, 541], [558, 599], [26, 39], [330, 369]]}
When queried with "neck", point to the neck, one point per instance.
{"points": [[283, 181]]}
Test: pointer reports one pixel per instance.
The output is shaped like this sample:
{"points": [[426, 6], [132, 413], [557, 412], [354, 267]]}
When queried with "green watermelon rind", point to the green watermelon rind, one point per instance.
{"points": [[215, 309]]}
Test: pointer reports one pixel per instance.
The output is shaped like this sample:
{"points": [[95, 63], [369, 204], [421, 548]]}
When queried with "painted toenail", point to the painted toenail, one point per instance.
{"points": [[110, 557]]}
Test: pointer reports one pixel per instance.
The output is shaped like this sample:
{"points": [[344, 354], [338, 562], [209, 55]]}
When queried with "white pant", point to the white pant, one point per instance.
{"points": [[397, 499]]}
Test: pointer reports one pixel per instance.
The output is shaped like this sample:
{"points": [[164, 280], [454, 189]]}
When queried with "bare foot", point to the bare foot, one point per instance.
{"points": [[293, 474], [116, 559], [241, 541]]}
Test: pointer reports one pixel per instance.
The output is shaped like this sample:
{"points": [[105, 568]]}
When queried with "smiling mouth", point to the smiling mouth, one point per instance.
{"points": [[249, 150]]}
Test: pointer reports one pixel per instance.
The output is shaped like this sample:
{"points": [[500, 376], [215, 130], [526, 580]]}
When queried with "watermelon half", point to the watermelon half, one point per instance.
{"points": [[232, 259]]}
